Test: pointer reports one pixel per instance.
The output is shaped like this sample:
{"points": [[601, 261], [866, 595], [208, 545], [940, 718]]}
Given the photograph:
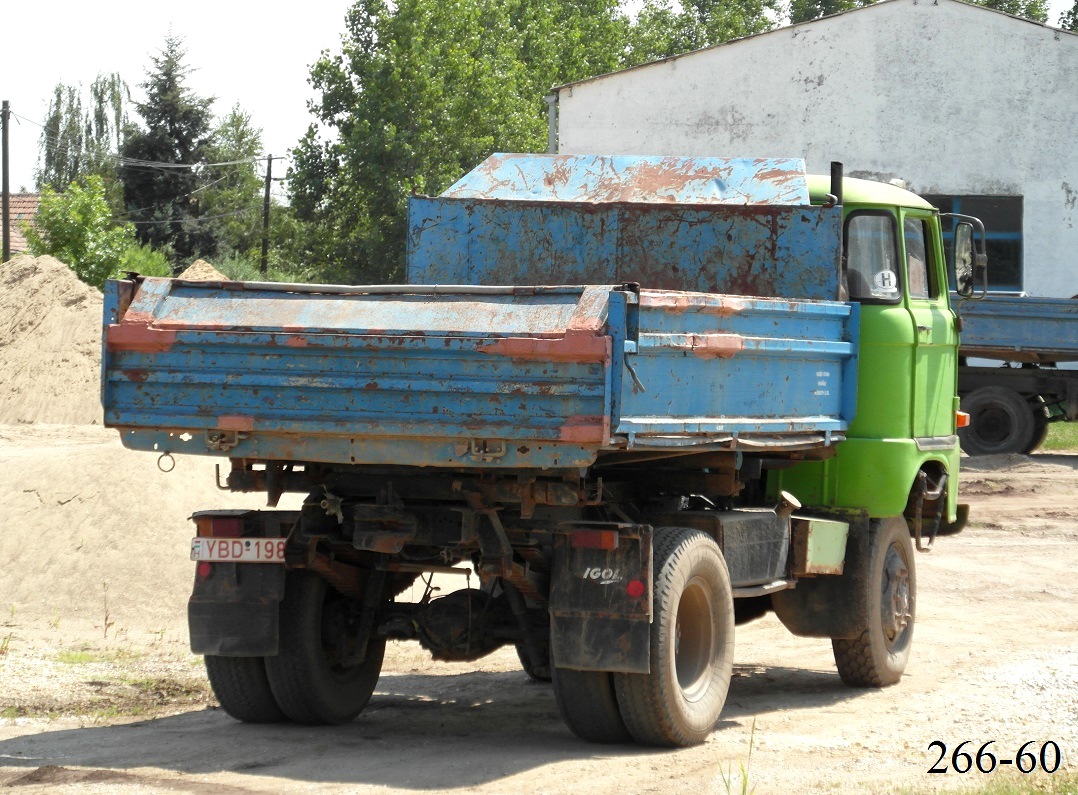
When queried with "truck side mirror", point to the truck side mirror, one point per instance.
{"points": [[963, 259], [970, 261]]}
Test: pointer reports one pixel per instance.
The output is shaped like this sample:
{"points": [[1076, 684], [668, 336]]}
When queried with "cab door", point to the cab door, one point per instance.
{"points": [[934, 376]]}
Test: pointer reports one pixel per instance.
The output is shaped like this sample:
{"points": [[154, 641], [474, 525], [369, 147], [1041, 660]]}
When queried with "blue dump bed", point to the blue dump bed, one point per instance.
{"points": [[479, 375], [1019, 329]]}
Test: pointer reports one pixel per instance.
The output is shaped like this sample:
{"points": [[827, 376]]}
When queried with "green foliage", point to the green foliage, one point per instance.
{"points": [[246, 269], [807, 10], [76, 143], [422, 90], [1036, 10], [231, 199], [664, 27], [1068, 20], [161, 201], [145, 260], [76, 227]]}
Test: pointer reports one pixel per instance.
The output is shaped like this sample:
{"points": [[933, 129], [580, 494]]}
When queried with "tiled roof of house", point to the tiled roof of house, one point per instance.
{"points": [[22, 209]]}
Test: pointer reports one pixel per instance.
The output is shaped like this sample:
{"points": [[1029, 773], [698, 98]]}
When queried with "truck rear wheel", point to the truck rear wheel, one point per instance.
{"points": [[242, 688], [588, 705], [878, 656], [307, 677], [692, 645], [1001, 421]]}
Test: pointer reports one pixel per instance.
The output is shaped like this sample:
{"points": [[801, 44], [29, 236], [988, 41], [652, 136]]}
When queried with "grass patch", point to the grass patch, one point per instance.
{"points": [[88, 656], [1063, 783], [1061, 436]]}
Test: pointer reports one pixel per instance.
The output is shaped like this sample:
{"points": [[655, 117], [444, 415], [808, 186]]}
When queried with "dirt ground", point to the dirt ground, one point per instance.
{"points": [[98, 692]]}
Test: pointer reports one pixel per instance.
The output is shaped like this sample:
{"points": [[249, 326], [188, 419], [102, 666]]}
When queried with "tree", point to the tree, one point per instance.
{"points": [[76, 142], [231, 198], [664, 28], [159, 168], [1069, 19], [1036, 10], [77, 228], [808, 10], [422, 90]]}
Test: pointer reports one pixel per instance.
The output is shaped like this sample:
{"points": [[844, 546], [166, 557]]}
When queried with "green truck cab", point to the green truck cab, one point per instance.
{"points": [[901, 452]]}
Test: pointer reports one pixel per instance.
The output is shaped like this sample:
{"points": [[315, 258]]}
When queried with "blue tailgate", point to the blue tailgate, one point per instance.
{"points": [[383, 375]]}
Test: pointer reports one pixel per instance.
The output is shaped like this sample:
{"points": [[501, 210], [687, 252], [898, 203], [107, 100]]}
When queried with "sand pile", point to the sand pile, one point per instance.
{"points": [[202, 271], [50, 344]]}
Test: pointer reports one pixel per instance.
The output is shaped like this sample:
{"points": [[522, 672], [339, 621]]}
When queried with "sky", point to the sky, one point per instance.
{"points": [[241, 52], [256, 54]]}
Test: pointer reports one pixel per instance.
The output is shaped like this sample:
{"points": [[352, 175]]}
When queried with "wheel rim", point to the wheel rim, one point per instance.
{"points": [[694, 639], [994, 425], [896, 606]]}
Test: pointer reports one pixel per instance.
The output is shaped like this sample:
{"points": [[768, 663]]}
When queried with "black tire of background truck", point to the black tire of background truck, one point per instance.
{"points": [[1040, 426], [307, 685], [878, 656], [1001, 421], [588, 705], [242, 688], [692, 644]]}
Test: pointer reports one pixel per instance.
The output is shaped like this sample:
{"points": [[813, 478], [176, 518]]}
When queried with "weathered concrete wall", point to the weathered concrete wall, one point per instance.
{"points": [[955, 99]]}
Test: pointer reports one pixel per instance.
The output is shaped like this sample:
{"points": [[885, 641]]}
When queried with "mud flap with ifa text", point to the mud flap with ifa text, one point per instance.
{"points": [[600, 598]]}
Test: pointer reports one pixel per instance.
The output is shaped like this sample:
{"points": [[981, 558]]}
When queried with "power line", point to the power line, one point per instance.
{"points": [[129, 162]]}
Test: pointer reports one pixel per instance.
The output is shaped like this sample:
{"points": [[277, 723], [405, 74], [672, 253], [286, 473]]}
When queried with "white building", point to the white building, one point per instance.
{"points": [[974, 109]]}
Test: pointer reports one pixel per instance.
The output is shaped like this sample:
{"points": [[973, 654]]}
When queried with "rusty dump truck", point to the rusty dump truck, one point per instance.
{"points": [[638, 400]]}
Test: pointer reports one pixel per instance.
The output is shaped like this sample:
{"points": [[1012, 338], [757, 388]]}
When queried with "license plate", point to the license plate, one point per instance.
{"points": [[238, 550]]}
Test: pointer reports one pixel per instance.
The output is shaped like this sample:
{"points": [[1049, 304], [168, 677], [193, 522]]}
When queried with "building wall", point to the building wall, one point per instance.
{"points": [[954, 99]]}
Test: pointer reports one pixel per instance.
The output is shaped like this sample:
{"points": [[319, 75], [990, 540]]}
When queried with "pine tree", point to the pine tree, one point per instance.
{"points": [[159, 168]]}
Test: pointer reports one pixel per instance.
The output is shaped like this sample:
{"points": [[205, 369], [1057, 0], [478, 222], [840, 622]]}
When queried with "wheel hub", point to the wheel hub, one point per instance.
{"points": [[897, 603]]}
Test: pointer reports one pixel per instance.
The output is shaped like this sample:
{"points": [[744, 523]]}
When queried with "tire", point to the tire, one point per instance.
{"points": [[306, 682], [692, 645], [542, 674], [588, 705], [1001, 421], [242, 688], [878, 656], [1040, 427]]}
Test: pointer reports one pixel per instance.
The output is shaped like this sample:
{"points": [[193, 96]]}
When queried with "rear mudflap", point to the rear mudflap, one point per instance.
{"points": [[600, 599]]}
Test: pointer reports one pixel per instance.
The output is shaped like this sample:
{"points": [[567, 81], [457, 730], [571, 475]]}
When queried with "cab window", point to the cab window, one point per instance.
{"points": [[915, 235], [872, 258]]}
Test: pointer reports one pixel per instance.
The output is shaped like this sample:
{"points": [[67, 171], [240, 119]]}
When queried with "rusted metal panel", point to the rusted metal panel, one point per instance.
{"points": [[704, 366], [494, 378], [649, 180], [712, 225], [447, 384]]}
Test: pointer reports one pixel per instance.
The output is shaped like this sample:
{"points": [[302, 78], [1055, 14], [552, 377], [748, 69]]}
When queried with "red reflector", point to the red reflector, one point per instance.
{"points": [[219, 526], [961, 419], [635, 589], [594, 539], [204, 570]]}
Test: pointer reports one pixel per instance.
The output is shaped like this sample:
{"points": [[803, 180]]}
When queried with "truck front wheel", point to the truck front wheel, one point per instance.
{"points": [[242, 688], [308, 676], [1000, 421], [878, 656], [692, 645]]}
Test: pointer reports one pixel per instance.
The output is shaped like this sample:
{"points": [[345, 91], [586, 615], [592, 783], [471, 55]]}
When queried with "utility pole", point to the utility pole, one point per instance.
{"points": [[264, 265], [5, 114]]}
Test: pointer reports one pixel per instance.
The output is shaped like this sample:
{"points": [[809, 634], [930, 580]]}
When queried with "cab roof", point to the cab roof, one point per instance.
{"points": [[866, 191]]}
